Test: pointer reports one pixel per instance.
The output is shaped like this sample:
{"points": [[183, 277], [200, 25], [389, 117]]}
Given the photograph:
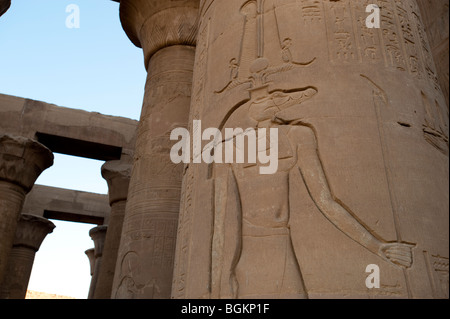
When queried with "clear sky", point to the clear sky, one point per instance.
{"points": [[95, 68]]}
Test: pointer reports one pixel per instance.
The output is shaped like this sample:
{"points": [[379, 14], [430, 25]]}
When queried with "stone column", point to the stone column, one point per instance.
{"points": [[90, 253], [361, 156], [22, 160], [166, 30], [98, 235], [117, 174], [30, 233]]}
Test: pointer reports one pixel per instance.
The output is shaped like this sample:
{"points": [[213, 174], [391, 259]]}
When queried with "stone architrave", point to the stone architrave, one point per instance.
{"points": [[117, 174], [166, 31], [98, 235], [362, 155], [31, 232], [22, 160]]}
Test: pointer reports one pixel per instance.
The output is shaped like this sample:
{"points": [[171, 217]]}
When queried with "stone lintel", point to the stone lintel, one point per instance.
{"points": [[68, 131], [67, 205]]}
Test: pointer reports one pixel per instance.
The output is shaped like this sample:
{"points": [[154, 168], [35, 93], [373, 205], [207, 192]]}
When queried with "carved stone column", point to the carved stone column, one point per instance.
{"points": [[22, 160], [30, 233], [362, 154], [90, 253], [117, 174], [166, 30], [98, 235]]}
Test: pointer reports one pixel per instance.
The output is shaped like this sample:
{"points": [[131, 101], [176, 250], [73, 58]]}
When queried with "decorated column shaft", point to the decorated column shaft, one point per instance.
{"points": [[22, 160], [359, 143], [117, 174], [31, 232], [166, 30]]}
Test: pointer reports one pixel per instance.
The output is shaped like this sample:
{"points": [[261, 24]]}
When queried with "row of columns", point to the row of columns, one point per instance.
{"points": [[107, 237], [22, 160], [31, 231]]}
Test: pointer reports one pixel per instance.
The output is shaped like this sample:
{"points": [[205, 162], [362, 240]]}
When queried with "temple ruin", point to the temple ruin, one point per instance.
{"points": [[362, 116]]}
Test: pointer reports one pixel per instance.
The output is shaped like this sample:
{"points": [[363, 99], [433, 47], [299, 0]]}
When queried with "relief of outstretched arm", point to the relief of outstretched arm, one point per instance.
{"points": [[316, 182]]}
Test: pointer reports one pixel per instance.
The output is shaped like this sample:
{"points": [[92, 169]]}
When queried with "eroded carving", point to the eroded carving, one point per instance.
{"points": [[435, 128], [253, 254], [252, 67], [311, 10], [438, 268], [340, 27]]}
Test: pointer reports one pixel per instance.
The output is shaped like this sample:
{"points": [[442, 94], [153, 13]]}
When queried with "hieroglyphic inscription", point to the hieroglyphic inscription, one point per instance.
{"points": [[391, 36], [409, 41], [159, 235], [341, 34], [401, 41], [311, 11], [424, 47], [438, 268], [368, 39]]}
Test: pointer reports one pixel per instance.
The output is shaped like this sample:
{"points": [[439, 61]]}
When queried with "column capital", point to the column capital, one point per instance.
{"points": [[154, 24], [22, 160], [31, 231], [98, 235], [117, 174]]}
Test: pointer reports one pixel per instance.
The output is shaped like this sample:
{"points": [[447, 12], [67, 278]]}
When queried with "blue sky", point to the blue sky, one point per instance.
{"points": [[95, 68]]}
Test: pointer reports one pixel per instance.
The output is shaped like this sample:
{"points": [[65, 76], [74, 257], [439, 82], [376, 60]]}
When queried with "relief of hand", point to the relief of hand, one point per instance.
{"points": [[399, 254]]}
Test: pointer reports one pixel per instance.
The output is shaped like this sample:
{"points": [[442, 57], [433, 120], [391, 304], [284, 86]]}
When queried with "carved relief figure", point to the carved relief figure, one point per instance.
{"points": [[252, 252], [130, 270]]}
